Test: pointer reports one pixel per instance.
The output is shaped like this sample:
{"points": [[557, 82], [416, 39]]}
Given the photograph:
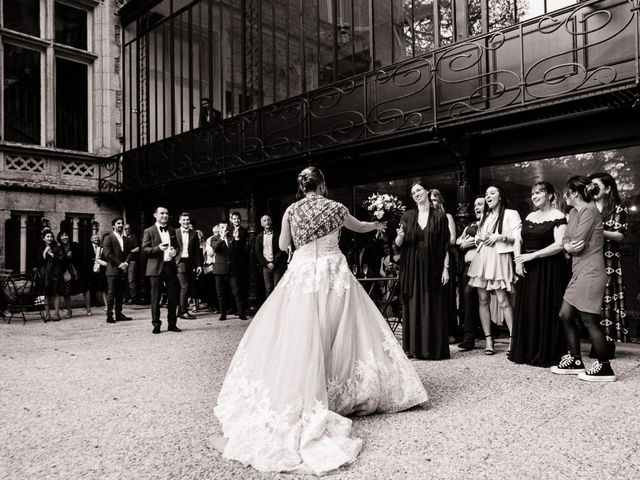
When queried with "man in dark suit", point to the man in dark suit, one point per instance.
{"points": [[223, 272], [272, 260], [188, 262], [160, 246], [239, 260], [117, 252], [131, 291]]}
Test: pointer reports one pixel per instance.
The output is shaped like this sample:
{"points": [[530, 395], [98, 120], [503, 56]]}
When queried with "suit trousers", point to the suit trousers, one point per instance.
{"points": [[470, 307], [132, 280], [232, 280], [271, 279], [115, 293], [185, 277], [168, 276]]}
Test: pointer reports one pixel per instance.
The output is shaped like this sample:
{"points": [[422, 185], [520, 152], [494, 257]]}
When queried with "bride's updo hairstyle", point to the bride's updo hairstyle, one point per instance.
{"points": [[311, 179], [585, 188]]}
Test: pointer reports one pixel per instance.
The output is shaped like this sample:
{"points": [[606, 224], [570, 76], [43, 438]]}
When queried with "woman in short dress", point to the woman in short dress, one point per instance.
{"points": [[584, 241], [492, 269], [538, 337]]}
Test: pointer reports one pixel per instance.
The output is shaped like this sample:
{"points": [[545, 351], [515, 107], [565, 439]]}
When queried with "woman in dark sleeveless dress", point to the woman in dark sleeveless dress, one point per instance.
{"points": [[538, 338], [424, 273]]}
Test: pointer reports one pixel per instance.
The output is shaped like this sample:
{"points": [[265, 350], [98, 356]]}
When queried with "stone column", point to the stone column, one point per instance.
{"points": [[5, 215]]}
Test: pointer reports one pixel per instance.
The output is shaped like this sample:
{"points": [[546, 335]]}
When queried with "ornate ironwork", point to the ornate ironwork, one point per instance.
{"points": [[589, 50], [110, 174]]}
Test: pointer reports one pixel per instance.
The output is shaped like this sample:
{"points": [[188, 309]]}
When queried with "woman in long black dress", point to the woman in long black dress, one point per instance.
{"points": [[438, 203], [74, 270], [50, 263], [538, 338], [424, 236]]}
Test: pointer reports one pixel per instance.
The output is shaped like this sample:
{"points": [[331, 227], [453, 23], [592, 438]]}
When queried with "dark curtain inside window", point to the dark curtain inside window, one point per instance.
{"points": [[71, 105], [21, 94], [22, 16]]}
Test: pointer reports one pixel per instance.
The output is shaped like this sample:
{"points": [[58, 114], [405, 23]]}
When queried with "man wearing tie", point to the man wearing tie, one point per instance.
{"points": [[160, 246], [272, 260], [117, 252], [239, 262], [188, 261]]}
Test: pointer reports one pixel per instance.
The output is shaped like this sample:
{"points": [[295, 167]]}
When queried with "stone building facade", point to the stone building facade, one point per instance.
{"points": [[60, 121]]}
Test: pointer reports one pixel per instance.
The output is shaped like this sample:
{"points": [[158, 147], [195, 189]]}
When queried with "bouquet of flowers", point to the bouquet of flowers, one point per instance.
{"points": [[383, 207]]}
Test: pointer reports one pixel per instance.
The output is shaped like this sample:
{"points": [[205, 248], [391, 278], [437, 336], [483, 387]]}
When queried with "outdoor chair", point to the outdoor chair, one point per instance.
{"points": [[23, 296]]}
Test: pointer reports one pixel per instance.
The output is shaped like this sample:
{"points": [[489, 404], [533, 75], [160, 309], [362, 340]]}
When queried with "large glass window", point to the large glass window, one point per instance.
{"points": [[21, 94], [71, 105], [623, 164], [71, 26], [22, 16]]}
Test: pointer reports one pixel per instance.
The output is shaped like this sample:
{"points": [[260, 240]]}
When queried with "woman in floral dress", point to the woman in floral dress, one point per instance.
{"points": [[614, 219]]}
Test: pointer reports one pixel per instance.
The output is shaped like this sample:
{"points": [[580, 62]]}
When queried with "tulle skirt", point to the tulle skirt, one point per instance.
{"points": [[492, 270], [318, 349]]}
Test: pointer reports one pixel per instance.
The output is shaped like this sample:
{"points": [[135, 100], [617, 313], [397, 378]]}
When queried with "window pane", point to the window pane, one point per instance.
{"points": [[22, 16], [21, 94], [71, 105], [622, 164], [71, 26]]}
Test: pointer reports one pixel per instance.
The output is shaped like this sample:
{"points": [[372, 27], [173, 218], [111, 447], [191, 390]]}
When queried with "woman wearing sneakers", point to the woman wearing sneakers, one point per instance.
{"points": [[583, 241]]}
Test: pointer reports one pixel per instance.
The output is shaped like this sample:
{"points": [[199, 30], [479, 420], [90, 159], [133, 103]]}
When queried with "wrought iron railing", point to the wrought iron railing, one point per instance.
{"points": [[569, 54]]}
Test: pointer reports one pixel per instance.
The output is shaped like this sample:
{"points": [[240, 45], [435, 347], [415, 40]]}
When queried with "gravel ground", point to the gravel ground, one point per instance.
{"points": [[82, 399]]}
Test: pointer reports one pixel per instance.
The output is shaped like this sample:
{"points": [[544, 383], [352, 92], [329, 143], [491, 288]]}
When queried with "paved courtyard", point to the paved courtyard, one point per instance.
{"points": [[82, 399]]}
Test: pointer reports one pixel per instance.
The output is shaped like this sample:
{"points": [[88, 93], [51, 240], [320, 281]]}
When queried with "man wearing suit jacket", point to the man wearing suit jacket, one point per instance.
{"points": [[223, 270], [272, 260], [117, 252], [160, 246], [239, 259], [189, 260]]}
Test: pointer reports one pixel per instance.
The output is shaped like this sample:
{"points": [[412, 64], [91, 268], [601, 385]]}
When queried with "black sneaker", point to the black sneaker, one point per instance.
{"points": [[600, 372], [568, 366]]}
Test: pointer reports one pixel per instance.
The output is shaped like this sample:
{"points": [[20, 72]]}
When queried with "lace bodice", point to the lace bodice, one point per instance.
{"points": [[538, 235], [314, 217]]}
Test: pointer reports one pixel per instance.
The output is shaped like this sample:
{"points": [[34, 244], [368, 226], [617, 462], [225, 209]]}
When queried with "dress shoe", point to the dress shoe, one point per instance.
{"points": [[222, 317], [111, 320], [242, 316], [174, 329], [156, 330], [187, 316], [122, 318], [466, 345]]}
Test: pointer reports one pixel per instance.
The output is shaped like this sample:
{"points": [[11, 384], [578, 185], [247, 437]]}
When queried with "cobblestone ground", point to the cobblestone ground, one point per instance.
{"points": [[82, 399]]}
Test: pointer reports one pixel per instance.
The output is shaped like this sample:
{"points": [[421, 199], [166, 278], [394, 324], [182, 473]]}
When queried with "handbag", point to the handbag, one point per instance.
{"points": [[207, 268]]}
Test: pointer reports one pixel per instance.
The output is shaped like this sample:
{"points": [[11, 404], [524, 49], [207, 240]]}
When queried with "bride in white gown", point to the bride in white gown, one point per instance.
{"points": [[318, 349]]}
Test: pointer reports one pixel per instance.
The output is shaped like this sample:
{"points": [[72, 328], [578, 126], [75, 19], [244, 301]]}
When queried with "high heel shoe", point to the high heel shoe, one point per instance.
{"points": [[488, 349]]}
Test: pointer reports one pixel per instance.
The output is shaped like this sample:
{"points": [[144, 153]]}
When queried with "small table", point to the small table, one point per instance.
{"points": [[388, 296]]}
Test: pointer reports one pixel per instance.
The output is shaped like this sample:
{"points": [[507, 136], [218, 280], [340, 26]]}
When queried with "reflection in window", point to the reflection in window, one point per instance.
{"points": [[71, 26], [21, 94], [447, 21], [71, 105], [474, 8], [22, 16], [622, 164]]}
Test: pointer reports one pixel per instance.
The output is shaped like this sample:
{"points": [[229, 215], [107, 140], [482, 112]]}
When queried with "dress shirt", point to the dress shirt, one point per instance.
{"points": [[120, 240], [185, 243], [267, 246], [165, 238]]}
